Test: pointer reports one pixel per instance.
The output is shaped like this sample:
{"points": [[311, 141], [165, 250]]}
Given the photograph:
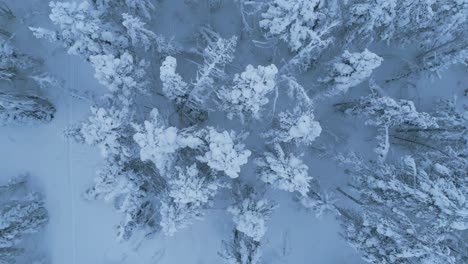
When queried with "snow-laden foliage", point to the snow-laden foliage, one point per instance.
{"points": [[189, 187], [251, 216], [24, 109], [189, 192], [121, 75], [176, 216], [298, 22], [22, 213], [224, 153], [249, 92], [105, 129], [284, 172], [159, 143], [297, 127], [82, 31], [351, 69], [173, 86]]}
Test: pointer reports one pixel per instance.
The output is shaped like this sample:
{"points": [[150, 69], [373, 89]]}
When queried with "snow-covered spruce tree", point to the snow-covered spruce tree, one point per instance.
{"points": [[173, 86], [284, 172], [297, 126], [299, 23], [351, 69], [12, 61], [22, 213], [385, 113], [249, 92], [24, 109]]}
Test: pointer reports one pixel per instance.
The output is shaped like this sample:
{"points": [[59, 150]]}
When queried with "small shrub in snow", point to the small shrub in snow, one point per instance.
{"points": [[249, 92], [224, 154], [284, 172]]}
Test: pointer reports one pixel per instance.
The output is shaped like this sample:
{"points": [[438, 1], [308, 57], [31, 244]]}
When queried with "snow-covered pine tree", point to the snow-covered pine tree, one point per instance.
{"points": [[139, 35], [283, 171], [249, 92], [24, 109], [298, 126], [385, 113], [192, 99], [351, 69], [406, 21], [415, 192], [82, 31], [22, 213], [389, 236]]}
